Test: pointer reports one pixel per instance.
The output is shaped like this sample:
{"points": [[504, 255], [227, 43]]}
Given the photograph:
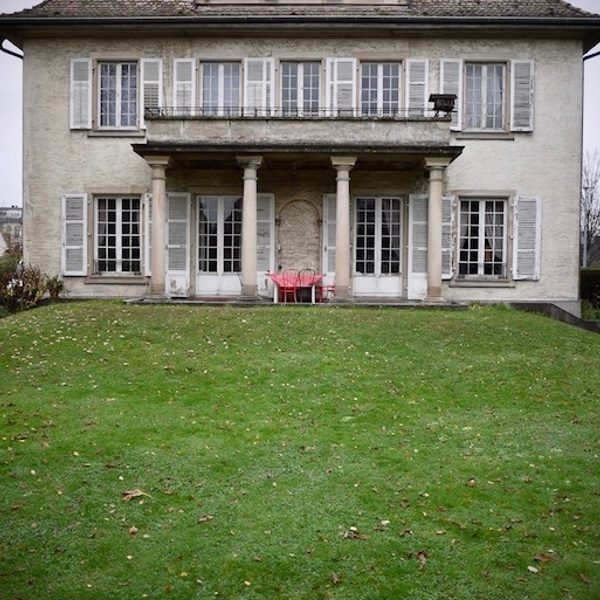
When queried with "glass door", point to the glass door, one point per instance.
{"points": [[219, 245], [378, 247]]}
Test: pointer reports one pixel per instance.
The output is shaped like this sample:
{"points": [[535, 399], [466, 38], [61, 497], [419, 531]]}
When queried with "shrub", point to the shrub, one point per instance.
{"points": [[590, 286], [55, 286], [21, 287]]}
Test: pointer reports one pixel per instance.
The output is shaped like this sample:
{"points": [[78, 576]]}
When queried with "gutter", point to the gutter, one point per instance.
{"points": [[7, 51], [591, 56], [577, 22]]}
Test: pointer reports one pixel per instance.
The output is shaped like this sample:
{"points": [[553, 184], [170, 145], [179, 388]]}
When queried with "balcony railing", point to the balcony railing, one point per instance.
{"points": [[360, 113], [367, 126]]}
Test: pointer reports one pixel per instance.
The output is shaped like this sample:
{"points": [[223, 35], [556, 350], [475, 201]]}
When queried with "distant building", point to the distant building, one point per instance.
{"points": [[11, 227]]}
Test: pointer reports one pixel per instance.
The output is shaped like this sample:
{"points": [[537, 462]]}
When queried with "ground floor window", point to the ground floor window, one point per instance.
{"points": [[482, 238], [219, 234], [378, 233], [118, 236]]}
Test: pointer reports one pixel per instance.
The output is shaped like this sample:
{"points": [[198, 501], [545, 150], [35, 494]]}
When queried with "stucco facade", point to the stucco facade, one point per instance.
{"points": [[393, 157]]}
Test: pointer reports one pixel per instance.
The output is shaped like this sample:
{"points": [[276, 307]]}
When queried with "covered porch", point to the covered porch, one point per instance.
{"points": [[366, 217]]}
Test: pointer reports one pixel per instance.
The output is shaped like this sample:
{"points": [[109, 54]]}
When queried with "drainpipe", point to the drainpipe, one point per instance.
{"points": [[6, 51]]}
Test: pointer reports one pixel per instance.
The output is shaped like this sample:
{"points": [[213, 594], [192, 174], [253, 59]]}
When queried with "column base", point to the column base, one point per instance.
{"points": [[249, 291], [342, 295], [435, 300]]}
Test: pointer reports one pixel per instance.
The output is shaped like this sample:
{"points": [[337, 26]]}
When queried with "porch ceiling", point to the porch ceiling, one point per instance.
{"points": [[378, 158]]}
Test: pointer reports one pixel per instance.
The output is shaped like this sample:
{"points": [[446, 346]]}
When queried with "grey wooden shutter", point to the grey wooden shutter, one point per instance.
{"points": [[81, 94], [184, 86], [147, 206], [258, 86], [329, 216], [451, 82], [74, 234], [152, 86], [522, 96], [264, 233], [340, 93], [178, 244], [417, 246], [527, 238], [417, 74], [447, 237]]}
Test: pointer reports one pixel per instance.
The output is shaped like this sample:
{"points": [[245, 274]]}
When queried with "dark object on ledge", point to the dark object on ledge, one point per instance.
{"points": [[443, 103]]}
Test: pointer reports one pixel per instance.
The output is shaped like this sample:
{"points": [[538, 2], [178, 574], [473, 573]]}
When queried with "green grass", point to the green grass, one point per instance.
{"points": [[469, 435]]}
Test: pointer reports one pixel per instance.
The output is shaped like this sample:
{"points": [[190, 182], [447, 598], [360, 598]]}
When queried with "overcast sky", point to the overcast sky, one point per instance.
{"points": [[11, 113]]}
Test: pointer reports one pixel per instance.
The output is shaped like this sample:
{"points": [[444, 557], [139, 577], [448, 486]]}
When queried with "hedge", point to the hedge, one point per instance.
{"points": [[589, 286]]}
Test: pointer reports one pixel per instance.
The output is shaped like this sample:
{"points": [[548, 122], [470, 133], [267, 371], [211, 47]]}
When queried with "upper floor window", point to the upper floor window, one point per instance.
{"points": [[220, 88], [380, 89], [300, 85], [491, 97], [484, 96], [118, 94]]}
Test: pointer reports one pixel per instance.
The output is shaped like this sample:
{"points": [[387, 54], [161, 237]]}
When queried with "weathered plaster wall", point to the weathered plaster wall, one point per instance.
{"points": [[545, 163]]}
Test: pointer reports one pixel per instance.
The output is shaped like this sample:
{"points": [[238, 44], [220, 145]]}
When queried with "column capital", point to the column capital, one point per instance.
{"points": [[250, 162], [436, 162], [343, 163], [158, 161]]}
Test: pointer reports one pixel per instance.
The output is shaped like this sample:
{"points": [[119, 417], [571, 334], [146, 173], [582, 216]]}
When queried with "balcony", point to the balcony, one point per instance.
{"points": [[286, 128]]}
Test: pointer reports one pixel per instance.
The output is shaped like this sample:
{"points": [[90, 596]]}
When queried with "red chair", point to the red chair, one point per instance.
{"points": [[288, 286], [325, 292]]}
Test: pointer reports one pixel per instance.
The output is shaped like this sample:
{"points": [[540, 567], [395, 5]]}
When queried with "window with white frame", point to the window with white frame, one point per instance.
{"points": [[482, 238], [118, 94], [117, 247], [485, 85], [219, 234], [220, 88], [380, 89], [300, 87]]}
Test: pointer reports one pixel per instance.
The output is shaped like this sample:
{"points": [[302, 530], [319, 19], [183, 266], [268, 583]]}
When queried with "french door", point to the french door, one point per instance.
{"points": [[378, 247], [219, 245]]}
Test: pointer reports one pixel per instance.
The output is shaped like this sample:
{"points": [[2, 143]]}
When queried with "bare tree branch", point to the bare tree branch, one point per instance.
{"points": [[590, 205]]}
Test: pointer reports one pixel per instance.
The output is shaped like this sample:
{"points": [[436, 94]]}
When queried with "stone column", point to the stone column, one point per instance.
{"points": [[159, 166], [250, 165], [436, 168], [343, 165]]}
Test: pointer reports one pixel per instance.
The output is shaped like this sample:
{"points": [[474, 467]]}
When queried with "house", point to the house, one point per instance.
{"points": [[185, 148], [11, 227]]}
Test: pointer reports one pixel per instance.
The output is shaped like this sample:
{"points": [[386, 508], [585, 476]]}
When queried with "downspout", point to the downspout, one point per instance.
{"points": [[11, 52]]}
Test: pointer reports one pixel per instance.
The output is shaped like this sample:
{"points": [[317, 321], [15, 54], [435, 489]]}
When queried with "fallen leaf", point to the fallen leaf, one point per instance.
{"points": [[584, 578], [422, 556], [471, 482], [335, 578], [533, 570], [354, 534], [130, 494], [205, 518], [545, 558], [133, 530]]}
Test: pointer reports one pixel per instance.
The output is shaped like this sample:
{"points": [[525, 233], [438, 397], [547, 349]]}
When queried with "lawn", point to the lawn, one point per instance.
{"points": [[297, 453]]}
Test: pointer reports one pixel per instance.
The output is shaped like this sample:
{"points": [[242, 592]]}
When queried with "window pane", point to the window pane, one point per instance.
{"points": [[289, 88], [210, 88]]}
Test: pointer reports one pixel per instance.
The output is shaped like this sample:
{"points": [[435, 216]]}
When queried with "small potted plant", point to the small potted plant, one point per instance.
{"points": [[55, 286]]}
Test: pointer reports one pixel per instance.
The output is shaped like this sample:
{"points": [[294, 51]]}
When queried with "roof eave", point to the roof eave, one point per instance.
{"points": [[585, 28]]}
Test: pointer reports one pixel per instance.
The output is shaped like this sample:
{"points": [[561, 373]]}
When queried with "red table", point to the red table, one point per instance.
{"points": [[286, 280]]}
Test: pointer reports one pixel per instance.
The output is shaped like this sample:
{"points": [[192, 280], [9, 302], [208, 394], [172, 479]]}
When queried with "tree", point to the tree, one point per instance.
{"points": [[590, 208]]}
